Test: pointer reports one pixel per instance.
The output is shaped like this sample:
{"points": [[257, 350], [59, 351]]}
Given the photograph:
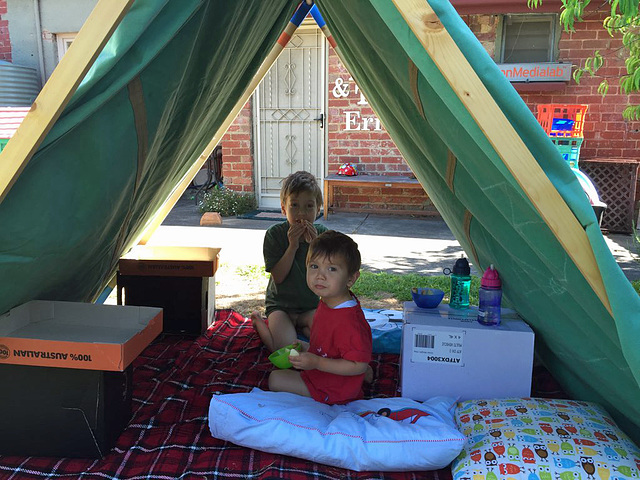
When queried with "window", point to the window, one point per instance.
{"points": [[529, 38], [64, 42]]}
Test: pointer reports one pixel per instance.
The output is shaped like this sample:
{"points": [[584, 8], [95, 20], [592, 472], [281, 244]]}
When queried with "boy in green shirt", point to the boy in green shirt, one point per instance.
{"points": [[290, 304]]}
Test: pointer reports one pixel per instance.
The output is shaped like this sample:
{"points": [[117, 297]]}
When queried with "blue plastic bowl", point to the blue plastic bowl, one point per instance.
{"points": [[427, 297]]}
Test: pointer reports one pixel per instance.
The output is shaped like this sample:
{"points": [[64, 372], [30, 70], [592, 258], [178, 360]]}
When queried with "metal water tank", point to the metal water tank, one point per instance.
{"points": [[19, 86]]}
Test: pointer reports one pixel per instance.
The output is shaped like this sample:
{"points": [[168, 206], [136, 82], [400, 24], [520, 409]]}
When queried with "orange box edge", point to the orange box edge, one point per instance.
{"points": [[150, 262], [80, 355]]}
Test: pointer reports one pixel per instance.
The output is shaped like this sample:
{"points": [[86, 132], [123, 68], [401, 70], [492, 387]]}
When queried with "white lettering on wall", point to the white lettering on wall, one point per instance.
{"points": [[362, 101], [340, 90], [353, 120]]}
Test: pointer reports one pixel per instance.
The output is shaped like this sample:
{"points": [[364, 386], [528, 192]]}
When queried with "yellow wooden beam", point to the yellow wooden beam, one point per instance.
{"points": [[164, 210], [55, 94], [442, 49]]}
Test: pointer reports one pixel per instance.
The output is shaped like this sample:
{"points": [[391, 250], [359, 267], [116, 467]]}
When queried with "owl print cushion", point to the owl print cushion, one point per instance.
{"points": [[542, 439]]}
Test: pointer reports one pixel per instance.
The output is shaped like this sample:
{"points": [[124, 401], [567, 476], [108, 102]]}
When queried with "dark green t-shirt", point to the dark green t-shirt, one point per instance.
{"points": [[293, 294]]}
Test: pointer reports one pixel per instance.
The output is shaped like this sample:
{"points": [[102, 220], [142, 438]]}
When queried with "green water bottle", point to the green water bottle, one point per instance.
{"points": [[460, 283]]}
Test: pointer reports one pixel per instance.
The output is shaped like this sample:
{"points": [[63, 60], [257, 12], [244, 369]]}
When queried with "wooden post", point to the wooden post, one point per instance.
{"points": [[426, 26]]}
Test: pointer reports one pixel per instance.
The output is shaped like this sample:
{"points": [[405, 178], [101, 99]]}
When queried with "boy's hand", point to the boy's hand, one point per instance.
{"points": [[304, 361], [295, 234], [310, 232]]}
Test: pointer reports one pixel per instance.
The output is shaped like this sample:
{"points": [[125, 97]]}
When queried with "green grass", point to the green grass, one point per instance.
{"points": [[374, 285], [252, 272], [380, 285]]}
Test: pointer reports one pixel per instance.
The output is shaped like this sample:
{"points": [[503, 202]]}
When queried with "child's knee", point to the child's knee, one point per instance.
{"points": [[274, 381]]}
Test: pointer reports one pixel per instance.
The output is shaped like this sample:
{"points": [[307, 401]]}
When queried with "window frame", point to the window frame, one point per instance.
{"points": [[64, 40], [554, 20]]}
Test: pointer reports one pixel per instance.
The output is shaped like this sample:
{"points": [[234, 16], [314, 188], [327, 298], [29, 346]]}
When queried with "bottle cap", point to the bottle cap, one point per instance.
{"points": [[461, 267], [490, 278]]}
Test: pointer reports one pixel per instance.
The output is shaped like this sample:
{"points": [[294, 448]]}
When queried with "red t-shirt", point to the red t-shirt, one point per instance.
{"points": [[338, 333]]}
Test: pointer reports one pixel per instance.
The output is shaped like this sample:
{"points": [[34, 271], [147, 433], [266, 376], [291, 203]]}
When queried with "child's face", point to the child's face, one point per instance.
{"points": [[301, 206], [329, 279]]}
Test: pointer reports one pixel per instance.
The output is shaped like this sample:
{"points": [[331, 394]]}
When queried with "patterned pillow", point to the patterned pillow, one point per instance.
{"points": [[541, 439]]}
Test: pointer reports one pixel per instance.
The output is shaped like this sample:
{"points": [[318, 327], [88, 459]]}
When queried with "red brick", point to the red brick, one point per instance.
{"points": [[570, 44], [610, 135], [230, 144], [243, 181], [582, 35], [241, 151], [596, 45], [241, 167]]}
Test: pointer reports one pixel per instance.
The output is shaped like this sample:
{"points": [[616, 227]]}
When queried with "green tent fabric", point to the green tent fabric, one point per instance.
{"points": [[159, 90], [595, 355], [174, 69]]}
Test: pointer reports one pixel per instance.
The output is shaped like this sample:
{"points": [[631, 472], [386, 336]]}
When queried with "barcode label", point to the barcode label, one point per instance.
{"points": [[424, 341], [444, 347]]}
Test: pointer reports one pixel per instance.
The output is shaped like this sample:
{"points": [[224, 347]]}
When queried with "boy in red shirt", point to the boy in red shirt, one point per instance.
{"points": [[333, 368]]}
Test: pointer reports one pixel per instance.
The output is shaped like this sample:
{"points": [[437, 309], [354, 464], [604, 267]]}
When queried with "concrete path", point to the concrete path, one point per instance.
{"points": [[396, 244]]}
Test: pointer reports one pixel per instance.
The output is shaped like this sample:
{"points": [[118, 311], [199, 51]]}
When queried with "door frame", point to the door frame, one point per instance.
{"points": [[307, 25]]}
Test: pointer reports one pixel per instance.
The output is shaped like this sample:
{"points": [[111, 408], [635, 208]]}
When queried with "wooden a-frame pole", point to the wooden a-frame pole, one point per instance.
{"points": [[57, 92], [426, 26]]}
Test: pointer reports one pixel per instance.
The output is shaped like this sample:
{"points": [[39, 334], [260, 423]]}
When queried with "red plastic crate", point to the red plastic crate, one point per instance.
{"points": [[562, 120]]}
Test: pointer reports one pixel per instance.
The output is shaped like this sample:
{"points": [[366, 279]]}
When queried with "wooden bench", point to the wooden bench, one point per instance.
{"points": [[332, 181]]}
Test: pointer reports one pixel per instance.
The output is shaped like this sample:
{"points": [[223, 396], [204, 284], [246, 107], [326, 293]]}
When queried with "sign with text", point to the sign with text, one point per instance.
{"points": [[536, 72], [353, 119]]}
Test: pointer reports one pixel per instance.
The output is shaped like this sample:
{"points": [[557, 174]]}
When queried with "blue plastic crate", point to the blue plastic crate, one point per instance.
{"points": [[562, 124]]}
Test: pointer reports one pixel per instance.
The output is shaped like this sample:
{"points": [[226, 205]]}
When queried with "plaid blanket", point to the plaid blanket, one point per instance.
{"points": [[168, 435]]}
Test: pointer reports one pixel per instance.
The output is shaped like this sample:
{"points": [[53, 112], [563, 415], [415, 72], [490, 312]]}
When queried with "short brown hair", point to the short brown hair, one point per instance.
{"points": [[300, 181], [332, 243]]}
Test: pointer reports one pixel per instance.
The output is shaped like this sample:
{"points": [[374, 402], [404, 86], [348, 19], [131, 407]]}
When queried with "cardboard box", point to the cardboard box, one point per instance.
{"points": [[180, 280], [446, 352], [66, 372], [62, 412], [76, 335], [152, 260]]}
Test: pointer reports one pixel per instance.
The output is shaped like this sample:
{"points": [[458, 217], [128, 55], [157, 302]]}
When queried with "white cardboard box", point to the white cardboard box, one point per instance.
{"points": [[447, 352]]}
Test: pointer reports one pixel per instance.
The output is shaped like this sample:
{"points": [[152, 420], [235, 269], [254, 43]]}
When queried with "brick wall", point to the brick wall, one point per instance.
{"points": [[355, 135], [606, 134], [484, 28], [237, 153], [5, 41]]}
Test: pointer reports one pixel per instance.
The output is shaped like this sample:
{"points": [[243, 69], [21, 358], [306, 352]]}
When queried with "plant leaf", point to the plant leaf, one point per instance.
{"points": [[603, 88]]}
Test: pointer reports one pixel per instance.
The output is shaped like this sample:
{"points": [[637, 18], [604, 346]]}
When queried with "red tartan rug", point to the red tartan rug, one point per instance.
{"points": [[168, 435]]}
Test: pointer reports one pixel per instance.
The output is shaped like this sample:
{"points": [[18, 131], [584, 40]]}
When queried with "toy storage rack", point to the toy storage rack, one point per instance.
{"points": [[569, 148], [562, 120]]}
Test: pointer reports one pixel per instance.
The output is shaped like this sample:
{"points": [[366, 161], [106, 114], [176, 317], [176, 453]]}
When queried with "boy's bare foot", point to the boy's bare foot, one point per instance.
{"points": [[368, 375], [261, 327]]}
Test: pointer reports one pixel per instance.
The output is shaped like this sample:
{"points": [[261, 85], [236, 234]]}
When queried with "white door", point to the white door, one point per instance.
{"points": [[289, 116]]}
